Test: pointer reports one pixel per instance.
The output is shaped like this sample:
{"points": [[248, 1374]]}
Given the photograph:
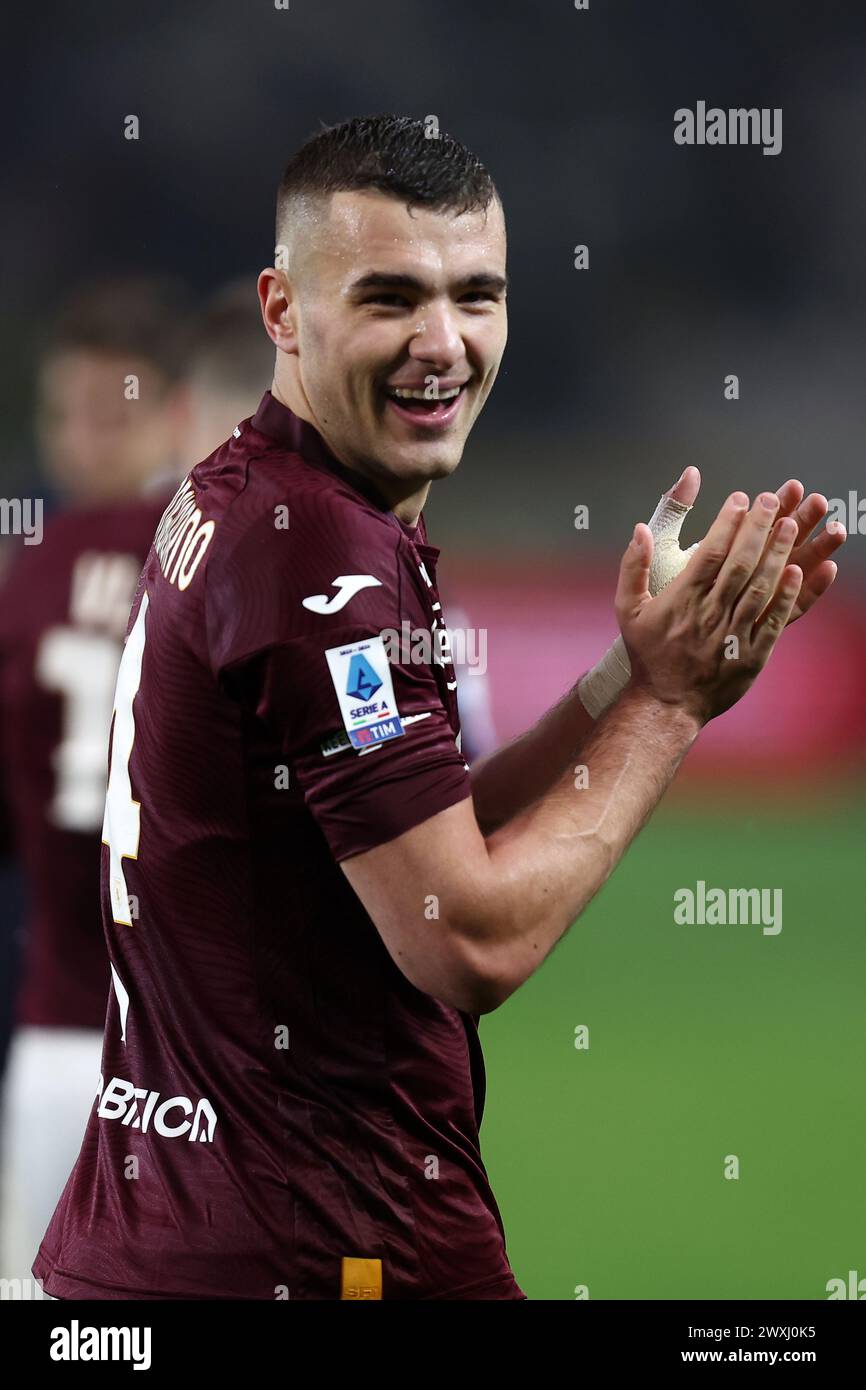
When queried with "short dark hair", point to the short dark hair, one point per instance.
{"points": [[398, 155], [144, 316], [230, 352]]}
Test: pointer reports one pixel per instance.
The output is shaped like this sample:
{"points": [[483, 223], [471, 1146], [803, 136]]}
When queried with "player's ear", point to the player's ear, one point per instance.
{"points": [[278, 308]]}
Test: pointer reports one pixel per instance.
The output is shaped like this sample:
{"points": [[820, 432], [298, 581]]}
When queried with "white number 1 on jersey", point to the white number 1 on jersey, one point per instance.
{"points": [[122, 824]]}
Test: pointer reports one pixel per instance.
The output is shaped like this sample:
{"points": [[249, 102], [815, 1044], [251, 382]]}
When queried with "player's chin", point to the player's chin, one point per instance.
{"points": [[426, 458], [425, 464], [439, 456], [442, 468]]}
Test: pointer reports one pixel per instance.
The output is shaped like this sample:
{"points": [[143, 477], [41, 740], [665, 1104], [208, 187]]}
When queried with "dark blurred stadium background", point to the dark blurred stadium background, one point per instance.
{"points": [[705, 1041]]}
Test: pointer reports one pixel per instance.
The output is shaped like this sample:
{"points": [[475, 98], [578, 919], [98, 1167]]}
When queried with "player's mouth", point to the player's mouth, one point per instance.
{"points": [[414, 405]]}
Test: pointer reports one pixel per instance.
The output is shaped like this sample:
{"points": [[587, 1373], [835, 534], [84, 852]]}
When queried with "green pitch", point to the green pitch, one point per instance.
{"points": [[704, 1041]]}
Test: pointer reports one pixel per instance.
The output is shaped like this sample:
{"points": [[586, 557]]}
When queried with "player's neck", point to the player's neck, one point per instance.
{"points": [[405, 499]]}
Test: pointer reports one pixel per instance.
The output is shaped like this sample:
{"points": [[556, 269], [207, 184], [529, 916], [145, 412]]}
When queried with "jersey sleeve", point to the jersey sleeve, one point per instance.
{"points": [[361, 724]]}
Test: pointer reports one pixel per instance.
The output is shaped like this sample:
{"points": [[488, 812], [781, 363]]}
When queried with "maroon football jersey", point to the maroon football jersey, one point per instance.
{"points": [[278, 1105], [64, 608]]}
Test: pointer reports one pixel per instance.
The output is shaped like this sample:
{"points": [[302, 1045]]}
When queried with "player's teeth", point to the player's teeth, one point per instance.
{"points": [[403, 393]]}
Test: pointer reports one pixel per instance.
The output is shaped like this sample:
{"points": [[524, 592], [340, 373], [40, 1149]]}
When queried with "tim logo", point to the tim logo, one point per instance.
{"points": [[377, 733], [363, 682]]}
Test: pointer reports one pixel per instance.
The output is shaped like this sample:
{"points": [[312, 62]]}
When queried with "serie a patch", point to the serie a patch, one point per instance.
{"points": [[365, 692]]}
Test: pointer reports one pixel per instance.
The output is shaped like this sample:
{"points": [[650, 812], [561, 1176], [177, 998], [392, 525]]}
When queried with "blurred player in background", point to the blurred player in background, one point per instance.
{"points": [[11, 914], [96, 550], [107, 425], [229, 365]]}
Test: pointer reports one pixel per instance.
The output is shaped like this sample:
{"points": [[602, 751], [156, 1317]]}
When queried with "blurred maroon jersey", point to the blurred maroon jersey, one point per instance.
{"points": [[276, 1098], [64, 608]]}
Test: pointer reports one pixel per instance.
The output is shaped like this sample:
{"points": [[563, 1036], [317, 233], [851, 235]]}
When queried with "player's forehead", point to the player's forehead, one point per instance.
{"points": [[369, 231]]}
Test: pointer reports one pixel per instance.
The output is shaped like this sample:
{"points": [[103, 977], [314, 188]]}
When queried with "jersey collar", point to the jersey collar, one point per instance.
{"points": [[300, 437]]}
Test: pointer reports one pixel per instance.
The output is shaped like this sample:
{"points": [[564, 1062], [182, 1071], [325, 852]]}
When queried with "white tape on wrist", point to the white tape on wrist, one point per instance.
{"points": [[600, 687]]}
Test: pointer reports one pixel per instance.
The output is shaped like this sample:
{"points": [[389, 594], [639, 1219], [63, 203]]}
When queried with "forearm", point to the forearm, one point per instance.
{"points": [[548, 862], [507, 781]]}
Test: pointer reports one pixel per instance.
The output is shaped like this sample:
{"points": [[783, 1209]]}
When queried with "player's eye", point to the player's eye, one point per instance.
{"points": [[477, 296], [390, 301]]}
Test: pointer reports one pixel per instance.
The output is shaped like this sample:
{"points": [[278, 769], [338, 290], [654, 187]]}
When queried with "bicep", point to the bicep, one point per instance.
{"points": [[419, 890]]}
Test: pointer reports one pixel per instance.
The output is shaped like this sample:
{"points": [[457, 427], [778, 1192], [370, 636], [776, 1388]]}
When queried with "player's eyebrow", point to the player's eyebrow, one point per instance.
{"points": [[383, 280]]}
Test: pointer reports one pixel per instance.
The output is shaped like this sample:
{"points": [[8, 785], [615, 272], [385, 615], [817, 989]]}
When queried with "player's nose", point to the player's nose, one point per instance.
{"points": [[435, 338]]}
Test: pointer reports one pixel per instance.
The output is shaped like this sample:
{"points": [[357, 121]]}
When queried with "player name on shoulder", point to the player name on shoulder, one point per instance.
{"points": [[182, 537]]}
